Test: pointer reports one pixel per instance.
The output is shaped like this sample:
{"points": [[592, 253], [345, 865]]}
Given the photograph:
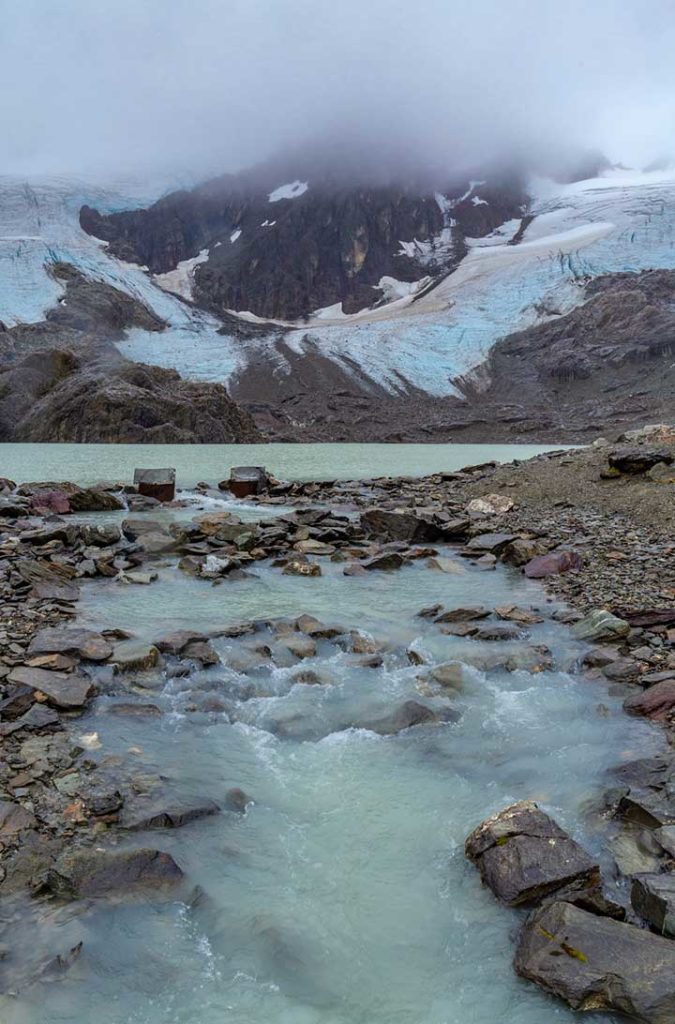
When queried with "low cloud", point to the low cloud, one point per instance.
{"points": [[95, 87]]}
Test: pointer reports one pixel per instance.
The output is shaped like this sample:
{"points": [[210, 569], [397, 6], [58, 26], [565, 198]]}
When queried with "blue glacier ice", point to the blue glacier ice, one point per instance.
{"points": [[619, 222]]}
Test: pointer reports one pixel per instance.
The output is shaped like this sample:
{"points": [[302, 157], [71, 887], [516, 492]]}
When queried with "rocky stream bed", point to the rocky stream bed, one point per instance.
{"points": [[145, 645]]}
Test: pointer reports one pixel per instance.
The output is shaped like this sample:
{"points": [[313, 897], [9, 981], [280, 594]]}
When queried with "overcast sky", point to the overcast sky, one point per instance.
{"points": [[199, 86]]}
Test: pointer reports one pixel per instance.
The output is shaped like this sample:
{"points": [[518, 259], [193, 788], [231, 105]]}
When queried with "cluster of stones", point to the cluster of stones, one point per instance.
{"points": [[576, 943]]}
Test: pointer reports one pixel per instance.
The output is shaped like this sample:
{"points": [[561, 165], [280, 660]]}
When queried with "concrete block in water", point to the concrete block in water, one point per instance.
{"points": [[156, 483]]}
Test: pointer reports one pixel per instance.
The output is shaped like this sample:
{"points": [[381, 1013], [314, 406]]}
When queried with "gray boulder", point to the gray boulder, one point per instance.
{"points": [[523, 856], [598, 964]]}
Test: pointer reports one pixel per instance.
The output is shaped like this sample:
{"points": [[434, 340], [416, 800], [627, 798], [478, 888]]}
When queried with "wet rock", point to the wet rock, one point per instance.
{"points": [[97, 873], [633, 852], [653, 897], [246, 481], [201, 651], [159, 484], [665, 837], [308, 677], [643, 794], [236, 800], [638, 459], [314, 547], [134, 656], [92, 499], [84, 642], [101, 535], [491, 505], [451, 675], [595, 963], [521, 551], [398, 524], [62, 691], [447, 565], [496, 633], [35, 718], [135, 576], [656, 703], [14, 819], [431, 612], [387, 562], [553, 564], [406, 716], [173, 643], [470, 613], [512, 613], [300, 646], [459, 628], [299, 567], [166, 815], [490, 543], [135, 710], [600, 626], [354, 569], [315, 628], [523, 855]]}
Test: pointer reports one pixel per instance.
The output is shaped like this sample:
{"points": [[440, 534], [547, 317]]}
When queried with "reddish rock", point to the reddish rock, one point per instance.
{"points": [[553, 564], [657, 703], [50, 501]]}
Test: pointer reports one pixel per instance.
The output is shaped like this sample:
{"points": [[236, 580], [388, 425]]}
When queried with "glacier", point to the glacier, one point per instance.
{"points": [[620, 221]]}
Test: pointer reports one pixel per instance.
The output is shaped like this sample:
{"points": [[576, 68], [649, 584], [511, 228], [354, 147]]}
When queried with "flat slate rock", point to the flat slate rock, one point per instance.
{"points": [[62, 690], [59, 640], [598, 964], [523, 855]]}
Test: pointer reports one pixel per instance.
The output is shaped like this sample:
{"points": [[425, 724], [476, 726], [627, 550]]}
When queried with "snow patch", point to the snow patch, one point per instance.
{"points": [[235, 235], [477, 201], [268, 223], [180, 281], [289, 191]]}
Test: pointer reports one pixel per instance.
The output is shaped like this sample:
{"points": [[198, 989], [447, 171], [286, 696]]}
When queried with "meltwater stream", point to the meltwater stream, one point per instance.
{"points": [[342, 895]]}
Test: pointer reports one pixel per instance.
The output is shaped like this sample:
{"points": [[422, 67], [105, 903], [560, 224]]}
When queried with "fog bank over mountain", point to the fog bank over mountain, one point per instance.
{"points": [[91, 87]]}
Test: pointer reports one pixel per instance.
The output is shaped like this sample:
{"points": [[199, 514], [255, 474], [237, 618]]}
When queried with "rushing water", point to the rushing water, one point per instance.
{"points": [[342, 896], [86, 464]]}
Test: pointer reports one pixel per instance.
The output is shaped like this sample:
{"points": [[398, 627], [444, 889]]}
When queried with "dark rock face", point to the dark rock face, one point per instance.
{"points": [[523, 856], [568, 379], [595, 963], [286, 258]]}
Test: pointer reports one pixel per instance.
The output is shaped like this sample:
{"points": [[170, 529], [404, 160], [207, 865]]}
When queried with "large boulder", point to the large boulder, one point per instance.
{"points": [[95, 872], [523, 856], [638, 459], [398, 524], [595, 963]]}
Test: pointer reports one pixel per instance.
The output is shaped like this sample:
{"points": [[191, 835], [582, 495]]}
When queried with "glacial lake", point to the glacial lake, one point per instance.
{"points": [[85, 464]]}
